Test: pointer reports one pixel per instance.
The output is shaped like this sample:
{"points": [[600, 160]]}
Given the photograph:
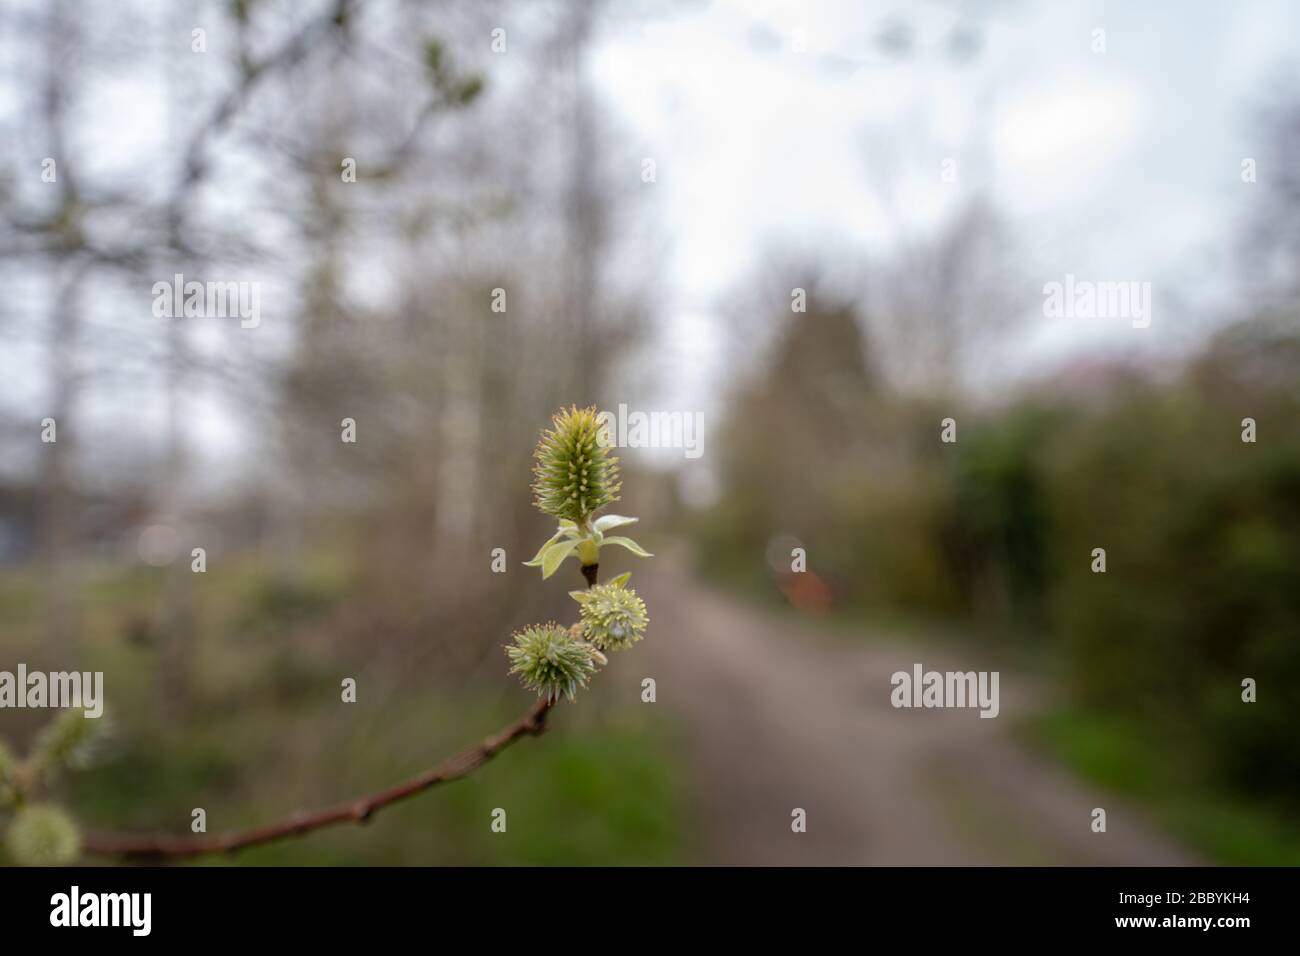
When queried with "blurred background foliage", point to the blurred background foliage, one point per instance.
{"points": [[373, 560], [990, 539]]}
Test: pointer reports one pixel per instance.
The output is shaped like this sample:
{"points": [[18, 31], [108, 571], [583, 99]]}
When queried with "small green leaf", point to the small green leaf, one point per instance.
{"points": [[621, 580], [567, 530], [433, 56], [554, 555], [608, 522], [537, 558], [631, 545], [469, 89], [580, 596]]}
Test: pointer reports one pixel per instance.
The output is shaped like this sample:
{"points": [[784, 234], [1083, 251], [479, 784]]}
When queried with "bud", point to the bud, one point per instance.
{"points": [[550, 661], [43, 835], [67, 741], [575, 474], [613, 616]]}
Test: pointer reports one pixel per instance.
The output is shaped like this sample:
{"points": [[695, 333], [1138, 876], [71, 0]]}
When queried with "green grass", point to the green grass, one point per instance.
{"points": [[1124, 757]]}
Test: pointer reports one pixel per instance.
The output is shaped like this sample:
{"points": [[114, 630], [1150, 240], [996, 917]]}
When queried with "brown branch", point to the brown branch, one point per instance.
{"points": [[284, 58], [359, 810]]}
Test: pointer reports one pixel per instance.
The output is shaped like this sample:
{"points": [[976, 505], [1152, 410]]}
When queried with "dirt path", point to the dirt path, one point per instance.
{"points": [[781, 715]]}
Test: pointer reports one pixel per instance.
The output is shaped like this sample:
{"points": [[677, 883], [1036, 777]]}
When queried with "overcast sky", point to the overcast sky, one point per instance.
{"points": [[790, 125], [780, 119]]}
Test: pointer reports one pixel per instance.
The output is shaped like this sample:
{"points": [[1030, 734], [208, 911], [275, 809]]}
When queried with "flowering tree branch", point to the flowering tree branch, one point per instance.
{"points": [[575, 475], [359, 810]]}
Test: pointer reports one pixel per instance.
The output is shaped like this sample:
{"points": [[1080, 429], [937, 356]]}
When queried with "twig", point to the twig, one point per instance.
{"points": [[359, 810]]}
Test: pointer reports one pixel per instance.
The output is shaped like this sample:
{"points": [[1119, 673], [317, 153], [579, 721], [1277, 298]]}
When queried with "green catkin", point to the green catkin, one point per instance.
{"points": [[67, 741], [42, 835], [574, 472], [614, 617], [550, 660]]}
